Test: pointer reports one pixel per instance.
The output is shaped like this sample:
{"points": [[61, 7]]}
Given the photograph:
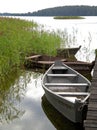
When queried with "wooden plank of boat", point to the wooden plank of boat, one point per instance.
{"points": [[59, 68], [45, 61], [81, 66], [66, 90], [32, 57], [73, 93], [67, 84], [67, 52], [49, 61], [62, 75]]}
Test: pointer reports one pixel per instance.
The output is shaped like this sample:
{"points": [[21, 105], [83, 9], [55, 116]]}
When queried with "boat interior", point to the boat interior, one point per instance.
{"points": [[66, 82]]}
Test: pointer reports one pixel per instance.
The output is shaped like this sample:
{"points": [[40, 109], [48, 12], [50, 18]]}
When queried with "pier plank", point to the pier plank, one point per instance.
{"points": [[87, 128], [91, 120]]}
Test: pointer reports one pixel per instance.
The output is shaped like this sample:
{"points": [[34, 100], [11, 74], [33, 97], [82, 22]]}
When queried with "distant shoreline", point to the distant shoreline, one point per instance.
{"points": [[59, 11]]}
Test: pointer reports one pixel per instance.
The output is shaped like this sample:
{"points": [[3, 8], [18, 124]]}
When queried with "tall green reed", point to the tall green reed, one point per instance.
{"points": [[19, 38]]}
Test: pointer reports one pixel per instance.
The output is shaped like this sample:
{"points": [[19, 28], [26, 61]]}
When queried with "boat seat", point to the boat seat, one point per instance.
{"points": [[64, 89], [62, 75], [59, 68], [49, 61], [72, 93], [66, 84]]}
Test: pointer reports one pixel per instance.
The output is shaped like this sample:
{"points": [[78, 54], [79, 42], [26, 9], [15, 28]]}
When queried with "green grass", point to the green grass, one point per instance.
{"points": [[68, 17], [19, 38]]}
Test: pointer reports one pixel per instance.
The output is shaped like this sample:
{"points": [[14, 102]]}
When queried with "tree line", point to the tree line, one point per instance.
{"points": [[61, 11]]}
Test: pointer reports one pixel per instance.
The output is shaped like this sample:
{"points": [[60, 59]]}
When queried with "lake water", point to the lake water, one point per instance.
{"points": [[81, 31], [23, 105]]}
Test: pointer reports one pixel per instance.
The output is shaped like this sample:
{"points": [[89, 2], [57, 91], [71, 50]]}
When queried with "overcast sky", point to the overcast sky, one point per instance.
{"points": [[22, 6]]}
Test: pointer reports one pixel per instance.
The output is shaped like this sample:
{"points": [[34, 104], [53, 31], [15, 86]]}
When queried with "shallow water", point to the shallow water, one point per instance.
{"points": [[26, 108], [80, 32]]}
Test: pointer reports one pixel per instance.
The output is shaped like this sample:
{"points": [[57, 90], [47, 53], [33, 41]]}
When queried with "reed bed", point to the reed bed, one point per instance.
{"points": [[19, 38]]}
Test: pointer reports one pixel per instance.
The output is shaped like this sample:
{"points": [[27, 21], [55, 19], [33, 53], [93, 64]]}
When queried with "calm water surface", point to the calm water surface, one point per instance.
{"points": [[21, 109], [23, 105], [81, 32]]}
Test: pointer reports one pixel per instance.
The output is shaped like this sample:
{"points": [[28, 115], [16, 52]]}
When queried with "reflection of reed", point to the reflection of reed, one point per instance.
{"points": [[58, 120], [11, 93]]}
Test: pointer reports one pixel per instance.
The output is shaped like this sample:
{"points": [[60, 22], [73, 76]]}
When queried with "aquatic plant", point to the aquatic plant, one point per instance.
{"points": [[19, 38]]}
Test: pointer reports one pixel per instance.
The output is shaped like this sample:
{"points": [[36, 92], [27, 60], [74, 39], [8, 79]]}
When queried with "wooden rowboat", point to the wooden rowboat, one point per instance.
{"points": [[61, 122], [44, 62], [67, 90], [67, 52]]}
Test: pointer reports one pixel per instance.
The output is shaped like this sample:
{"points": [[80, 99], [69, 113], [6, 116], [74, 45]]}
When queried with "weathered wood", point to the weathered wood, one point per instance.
{"points": [[94, 91], [32, 57], [62, 75], [93, 113], [91, 120], [90, 117], [93, 96], [72, 93], [67, 84], [91, 123], [92, 106], [59, 68], [45, 61], [88, 128], [67, 52], [66, 89], [49, 61], [61, 91]]}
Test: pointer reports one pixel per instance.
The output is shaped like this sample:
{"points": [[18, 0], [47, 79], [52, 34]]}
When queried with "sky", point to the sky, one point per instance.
{"points": [[24, 6]]}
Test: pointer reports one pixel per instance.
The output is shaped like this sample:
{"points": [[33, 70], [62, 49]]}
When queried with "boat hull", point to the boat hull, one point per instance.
{"points": [[67, 90], [70, 110], [67, 52], [82, 67]]}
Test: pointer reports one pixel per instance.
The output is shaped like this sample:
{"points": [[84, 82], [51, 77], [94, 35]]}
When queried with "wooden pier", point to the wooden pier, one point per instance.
{"points": [[91, 120]]}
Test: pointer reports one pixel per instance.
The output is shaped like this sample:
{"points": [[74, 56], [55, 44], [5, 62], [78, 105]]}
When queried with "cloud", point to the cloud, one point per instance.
{"points": [[34, 5]]}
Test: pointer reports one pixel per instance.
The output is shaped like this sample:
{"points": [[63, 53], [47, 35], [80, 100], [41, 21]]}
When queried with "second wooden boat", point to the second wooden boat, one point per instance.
{"points": [[44, 62], [67, 52]]}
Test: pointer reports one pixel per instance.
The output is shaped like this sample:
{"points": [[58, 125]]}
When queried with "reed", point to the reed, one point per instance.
{"points": [[19, 38]]}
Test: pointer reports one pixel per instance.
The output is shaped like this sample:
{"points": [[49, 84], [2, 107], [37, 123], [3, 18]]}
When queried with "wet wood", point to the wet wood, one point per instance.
{"points": [[67, 52], [49, 62], [91, 120], [32, 57], [45, 61]]}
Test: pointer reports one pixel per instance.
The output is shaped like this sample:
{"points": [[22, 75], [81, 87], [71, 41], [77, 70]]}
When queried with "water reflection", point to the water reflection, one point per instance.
{"points": [[9, 93], [20, 106], [12, 93], [58, 120], [79, 32], [23, 106]]}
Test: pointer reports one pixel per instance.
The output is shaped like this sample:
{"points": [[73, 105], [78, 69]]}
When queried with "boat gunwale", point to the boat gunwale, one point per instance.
{"points": [[80, 101]]}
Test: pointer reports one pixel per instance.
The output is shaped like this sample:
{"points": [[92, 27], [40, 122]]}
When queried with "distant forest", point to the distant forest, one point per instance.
{"points": [[61, 11]]}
